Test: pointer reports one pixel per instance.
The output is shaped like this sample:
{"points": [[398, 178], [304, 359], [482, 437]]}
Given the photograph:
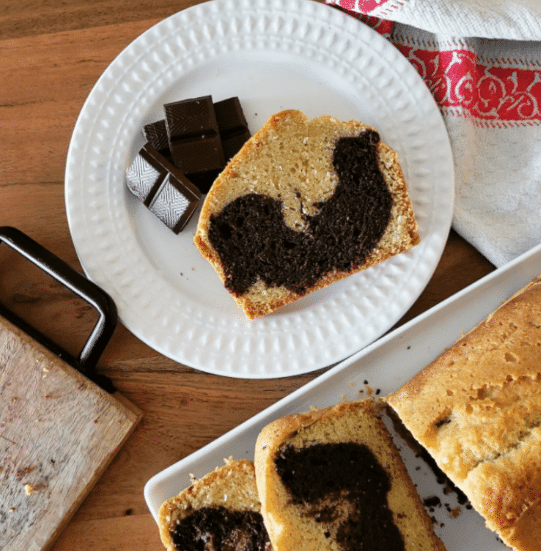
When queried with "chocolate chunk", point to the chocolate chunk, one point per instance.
{"points": [[254, 242], [234, 133], [194, 128], [194, 136], [155, 133], [162, 188], [321, 476], [232, 125]]}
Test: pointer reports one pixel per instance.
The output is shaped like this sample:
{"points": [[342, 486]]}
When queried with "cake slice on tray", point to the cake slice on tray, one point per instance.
{"points": [[332, 479], [220, 511]]}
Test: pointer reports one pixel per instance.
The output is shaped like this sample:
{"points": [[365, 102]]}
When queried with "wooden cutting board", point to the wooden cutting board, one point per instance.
{"points": [[58, 432]]}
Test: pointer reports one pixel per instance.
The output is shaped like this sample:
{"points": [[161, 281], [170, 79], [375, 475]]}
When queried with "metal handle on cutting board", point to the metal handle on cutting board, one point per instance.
{"points": [[70, 278]]}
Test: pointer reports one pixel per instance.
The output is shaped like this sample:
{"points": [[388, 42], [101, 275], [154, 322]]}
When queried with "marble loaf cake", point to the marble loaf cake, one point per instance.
{"points": [[303, 204], [219, 512], [477, 410], [332, 480]]}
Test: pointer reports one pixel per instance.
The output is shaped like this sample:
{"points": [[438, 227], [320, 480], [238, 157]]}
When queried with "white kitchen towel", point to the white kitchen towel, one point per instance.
{"points": [[489, 93], [508, 19]]}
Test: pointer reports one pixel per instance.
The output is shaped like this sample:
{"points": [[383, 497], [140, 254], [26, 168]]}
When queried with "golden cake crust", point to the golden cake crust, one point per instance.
{"points": [[289, 159], [477, 410]]}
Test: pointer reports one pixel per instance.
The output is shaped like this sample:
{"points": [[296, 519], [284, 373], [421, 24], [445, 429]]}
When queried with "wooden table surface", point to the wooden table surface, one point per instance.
{"points": [[51, 54]]}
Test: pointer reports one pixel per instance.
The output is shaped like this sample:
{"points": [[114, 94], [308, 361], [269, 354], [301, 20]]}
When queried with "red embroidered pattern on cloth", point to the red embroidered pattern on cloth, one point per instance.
{"points": [[365, 6], [369, 5], [458, 80], [489, 92]]}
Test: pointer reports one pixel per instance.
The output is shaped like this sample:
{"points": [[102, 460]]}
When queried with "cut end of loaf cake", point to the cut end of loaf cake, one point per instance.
{"points": [[477, 411], [219, 511], [304, 203], [332, 479]]}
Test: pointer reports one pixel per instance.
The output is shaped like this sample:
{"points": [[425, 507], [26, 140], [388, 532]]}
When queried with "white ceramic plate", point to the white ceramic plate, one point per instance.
{"points": [[384, 366], [273, 54]]}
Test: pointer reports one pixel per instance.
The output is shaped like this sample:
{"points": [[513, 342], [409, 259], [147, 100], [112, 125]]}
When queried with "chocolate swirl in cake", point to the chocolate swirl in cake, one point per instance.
{"points": [[343, 486], [221, 529], [254, 242]]}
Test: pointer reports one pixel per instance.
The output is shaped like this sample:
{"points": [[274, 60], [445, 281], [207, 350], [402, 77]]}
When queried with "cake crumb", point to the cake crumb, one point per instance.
{"points": [[455, 513], [28, 489]]}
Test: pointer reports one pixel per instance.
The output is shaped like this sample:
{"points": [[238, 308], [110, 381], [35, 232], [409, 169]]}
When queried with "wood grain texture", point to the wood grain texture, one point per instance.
{"points": [[58, 433], [51, 54], [29, 17]]}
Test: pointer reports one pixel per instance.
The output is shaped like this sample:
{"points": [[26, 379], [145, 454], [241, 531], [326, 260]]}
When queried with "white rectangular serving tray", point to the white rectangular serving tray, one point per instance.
{"points": [[384, 366]]}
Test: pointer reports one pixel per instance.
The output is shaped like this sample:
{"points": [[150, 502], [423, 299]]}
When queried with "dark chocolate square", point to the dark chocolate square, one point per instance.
{"points": [[162, 188], [230, 116], [194, 137], [155, 133], [233, 127], [143, 174], [232, 144], [199, 155], [173, 204], [199, 136]]}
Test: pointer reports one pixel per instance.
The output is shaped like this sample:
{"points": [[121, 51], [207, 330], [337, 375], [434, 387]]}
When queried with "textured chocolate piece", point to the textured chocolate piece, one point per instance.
{"points": [[186, 119], [232, 124], [155, 133], [254, 242], [162, 188], [194, 136]]}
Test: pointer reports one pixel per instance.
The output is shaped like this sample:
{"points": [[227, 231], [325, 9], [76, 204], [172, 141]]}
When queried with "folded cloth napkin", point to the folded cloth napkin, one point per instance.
{"points": [[481, 59]]}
